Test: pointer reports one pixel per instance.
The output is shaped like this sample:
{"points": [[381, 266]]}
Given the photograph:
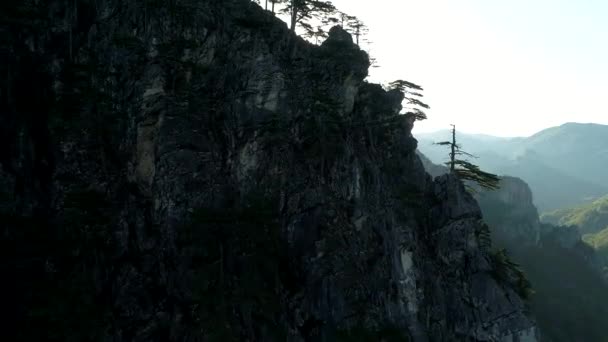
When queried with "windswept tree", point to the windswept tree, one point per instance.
{"points": [[271, 3], [412, 93], [373, 61], [342, 18], [356, 27], [466, 170], [349, 23], [319, 33], [302, 11]]}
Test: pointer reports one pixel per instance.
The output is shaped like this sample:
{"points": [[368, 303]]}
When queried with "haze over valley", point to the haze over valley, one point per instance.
{"points": [[564, 165]]}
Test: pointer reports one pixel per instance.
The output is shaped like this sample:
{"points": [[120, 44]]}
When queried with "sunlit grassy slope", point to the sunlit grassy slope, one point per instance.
{"points": [[591, 218]]}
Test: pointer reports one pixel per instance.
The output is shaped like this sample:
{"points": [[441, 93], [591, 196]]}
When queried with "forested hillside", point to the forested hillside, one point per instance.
{"points": [[591, 220]]}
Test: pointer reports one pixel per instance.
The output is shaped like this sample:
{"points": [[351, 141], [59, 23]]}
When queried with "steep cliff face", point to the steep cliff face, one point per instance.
{"points": [[191, 171], [565, 273], [433, 169], [511, 212]]}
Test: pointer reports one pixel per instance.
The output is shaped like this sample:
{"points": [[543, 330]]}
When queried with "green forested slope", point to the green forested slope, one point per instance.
{"points": [[591, 218], [599, 241]]}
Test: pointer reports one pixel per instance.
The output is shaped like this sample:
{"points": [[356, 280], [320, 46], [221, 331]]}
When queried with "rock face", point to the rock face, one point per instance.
{"points": [[510, 211], [514, 220], [192, 171], [433, 169], [565, 272]]}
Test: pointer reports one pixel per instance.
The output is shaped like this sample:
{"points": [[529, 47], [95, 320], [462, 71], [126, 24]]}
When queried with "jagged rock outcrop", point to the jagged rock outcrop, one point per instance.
{"points": [[192, 171]]}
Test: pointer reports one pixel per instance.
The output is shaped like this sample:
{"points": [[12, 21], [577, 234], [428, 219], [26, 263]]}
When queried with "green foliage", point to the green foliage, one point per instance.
{"points": [[590, 218], [599, 241], [483, 235], [357, 28], [506, 271], [412, 93], [302, 11], [466, 170]]}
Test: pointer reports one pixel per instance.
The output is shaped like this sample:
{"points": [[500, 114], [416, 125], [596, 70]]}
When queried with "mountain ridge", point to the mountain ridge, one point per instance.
{"points": [[492, 137], [572, 155]]}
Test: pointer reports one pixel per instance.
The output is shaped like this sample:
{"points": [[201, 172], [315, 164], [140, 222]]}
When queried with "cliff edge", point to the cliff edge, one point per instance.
{"points": [[192, 171]]}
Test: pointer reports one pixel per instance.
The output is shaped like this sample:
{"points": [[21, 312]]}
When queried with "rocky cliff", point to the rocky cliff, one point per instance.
{"points": [[431, 168], [565, 273], [511, 212], [192, 171]]}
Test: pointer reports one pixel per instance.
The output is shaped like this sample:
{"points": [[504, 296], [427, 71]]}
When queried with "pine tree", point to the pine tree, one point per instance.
{"points": [[302, 11], [356, 27], [317, 34], [412, 93], [466, 170]]}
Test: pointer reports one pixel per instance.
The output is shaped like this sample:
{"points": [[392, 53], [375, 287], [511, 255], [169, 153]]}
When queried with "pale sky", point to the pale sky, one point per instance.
{"points": [[505, 68]]}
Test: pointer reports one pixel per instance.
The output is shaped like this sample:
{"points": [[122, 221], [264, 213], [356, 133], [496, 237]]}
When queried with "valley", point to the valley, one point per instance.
{"points": [[563, 252]]}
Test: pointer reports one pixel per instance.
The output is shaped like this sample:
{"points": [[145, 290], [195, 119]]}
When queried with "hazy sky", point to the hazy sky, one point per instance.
{"points": [[506, 68]]}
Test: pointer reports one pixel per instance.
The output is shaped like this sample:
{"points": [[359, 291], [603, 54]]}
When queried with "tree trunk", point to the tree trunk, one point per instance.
{"points": [[295, 5], [266, 5], [273, 2]]}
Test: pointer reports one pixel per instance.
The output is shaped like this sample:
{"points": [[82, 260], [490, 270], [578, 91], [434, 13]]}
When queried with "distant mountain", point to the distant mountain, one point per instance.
{"points": [[577, 149], [472, 143], [563, 165], [590, 218], [552, 188]]}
